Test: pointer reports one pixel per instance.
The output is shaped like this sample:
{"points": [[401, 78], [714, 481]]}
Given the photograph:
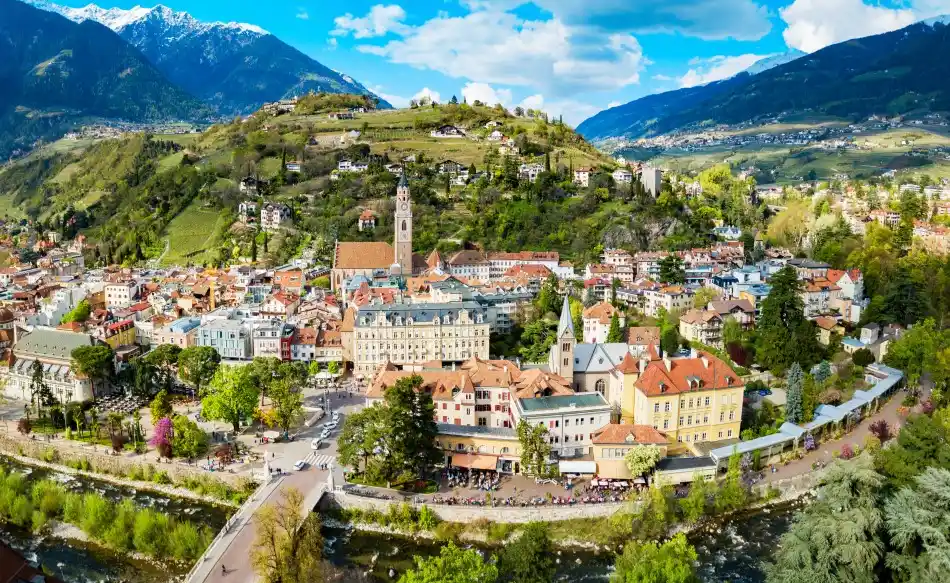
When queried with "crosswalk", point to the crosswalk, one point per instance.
{"points": [[316, 460]]}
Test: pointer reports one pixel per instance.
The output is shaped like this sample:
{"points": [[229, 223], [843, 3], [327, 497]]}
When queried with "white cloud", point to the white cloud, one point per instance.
{"points": [[535, 101], [426, 92], [303, 15], [332, 43], [396, 101], [815, 24], [380, 21], [486, 94], [500, 48], [717, 68], [613, 104], [662, 78], [708, 19]]}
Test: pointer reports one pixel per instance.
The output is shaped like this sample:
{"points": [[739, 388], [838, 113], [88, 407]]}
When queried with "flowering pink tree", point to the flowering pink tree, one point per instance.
{"points": [[162, 437]]}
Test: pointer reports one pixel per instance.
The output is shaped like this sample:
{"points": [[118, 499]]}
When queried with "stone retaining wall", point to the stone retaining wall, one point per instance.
{"points": [[105, 463], [509, 514]]}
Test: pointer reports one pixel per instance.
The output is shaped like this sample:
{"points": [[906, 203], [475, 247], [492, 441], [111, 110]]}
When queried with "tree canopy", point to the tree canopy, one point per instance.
{"points": [[231, 397]]}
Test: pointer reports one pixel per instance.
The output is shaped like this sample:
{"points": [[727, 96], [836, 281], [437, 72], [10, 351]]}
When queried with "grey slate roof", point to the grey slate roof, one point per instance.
{"points": [[47, 343], [419, 312], [591, 358]]}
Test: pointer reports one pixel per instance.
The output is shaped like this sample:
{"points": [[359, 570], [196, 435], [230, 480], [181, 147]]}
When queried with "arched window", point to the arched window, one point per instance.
{"points": [[403, 225], [600, 386]]}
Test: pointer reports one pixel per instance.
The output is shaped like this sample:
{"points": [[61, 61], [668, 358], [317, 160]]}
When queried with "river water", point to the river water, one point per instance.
{"points": [[732, 550], [75, 562]]}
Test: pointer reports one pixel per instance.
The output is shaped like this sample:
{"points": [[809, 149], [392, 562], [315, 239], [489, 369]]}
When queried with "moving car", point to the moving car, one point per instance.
{"points": [[299, 465], [315, 442]]}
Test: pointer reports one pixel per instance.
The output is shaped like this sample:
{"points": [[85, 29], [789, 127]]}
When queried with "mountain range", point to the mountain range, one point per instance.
{"points": [[894, 73], [233, 66], [53, 70]]}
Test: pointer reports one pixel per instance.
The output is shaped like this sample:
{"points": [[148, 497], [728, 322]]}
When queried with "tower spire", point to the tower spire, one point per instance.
{"points": [[566, 325]]}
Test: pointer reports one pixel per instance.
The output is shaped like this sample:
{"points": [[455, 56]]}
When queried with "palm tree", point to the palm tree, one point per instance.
{"points": [[115, 422], [80, 418]]}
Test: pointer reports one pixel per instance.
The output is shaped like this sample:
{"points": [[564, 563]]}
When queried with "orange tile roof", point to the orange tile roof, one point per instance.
{"points": [[441, 384], [538, 383], [601, 312], [711, 374], [360, 255], [529, 270], [694, 316], [643, 335], [826, 322], [619, 434]]}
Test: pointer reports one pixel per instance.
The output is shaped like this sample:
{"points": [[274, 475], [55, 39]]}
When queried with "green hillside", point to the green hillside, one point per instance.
{"points": [[173, 199]]}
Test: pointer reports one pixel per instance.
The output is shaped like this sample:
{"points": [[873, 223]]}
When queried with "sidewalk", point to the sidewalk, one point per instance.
{"points": [[855, 438]]}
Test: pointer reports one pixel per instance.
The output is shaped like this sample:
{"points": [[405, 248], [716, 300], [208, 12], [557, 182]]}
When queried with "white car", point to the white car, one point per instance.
{"points": [[315, 443], [299, 465]]}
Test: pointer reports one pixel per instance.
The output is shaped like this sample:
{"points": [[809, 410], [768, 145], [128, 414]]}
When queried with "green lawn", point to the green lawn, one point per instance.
{"points": [[170, 161], [189, 235]]}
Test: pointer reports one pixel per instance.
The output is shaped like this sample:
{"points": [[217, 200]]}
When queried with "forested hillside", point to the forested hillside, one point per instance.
{"points": [[133, 196]]}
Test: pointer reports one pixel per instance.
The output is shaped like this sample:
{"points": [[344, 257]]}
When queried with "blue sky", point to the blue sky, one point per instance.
{"points": [[570, 57]]}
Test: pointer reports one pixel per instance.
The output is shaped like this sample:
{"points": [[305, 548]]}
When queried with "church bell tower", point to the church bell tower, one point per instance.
{"points": [[402, 241]]}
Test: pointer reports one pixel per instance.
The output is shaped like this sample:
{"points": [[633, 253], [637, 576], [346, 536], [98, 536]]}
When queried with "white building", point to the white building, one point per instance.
{"points": [[275, 215], [622, 176], [121, 295]]}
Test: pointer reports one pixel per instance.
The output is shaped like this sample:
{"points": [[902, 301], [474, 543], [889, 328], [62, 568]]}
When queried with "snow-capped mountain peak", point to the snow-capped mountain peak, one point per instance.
{"points": [[118, 19]]}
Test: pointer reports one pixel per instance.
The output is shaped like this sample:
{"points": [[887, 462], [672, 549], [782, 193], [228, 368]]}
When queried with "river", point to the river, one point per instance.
{"points": [[731, 550], [75, 562]]}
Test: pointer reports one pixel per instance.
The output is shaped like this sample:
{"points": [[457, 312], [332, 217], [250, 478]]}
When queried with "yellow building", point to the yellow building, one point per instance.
{"points": [[613, 442], [690, 400], [120, 334], [480, 447]]}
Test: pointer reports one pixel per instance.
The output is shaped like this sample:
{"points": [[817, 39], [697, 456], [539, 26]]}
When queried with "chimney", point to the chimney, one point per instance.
{"points": [[705, 362], [693, 353], [668, 363], [644, 362]]}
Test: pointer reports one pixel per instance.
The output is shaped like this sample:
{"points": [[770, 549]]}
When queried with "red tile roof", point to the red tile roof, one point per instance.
{"points": [[704, 373]]}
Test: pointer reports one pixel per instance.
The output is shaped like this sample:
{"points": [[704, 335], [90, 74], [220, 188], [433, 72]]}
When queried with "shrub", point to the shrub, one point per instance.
{"points": [[161, 477], [50, 455], [150, 532], [862, 357], [872, 443], [97, 515], [449, 531], [39, 521], [847, 452], [118, 442], [24, 426], [428, 519], [881, 430], [186, 542]]}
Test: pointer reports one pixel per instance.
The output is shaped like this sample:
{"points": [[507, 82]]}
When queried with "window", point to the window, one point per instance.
{"points": [[681, 419], [729, 433], [600, 386], [666, 424], [722, 416], [567, 422], [666, 407], [732, 415], [445, 419], [656, 407], [591, 420], [458, 407], [682, 403], [704, 436], [482, 421], [689, 420], [720, 435], [707, 401], [705, 419], [690, 403]]}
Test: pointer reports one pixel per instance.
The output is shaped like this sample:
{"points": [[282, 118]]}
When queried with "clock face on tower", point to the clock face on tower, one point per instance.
{"points": [[405, 206]]}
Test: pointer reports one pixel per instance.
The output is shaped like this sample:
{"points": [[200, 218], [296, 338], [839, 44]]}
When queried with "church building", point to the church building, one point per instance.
{"points": [[378, 259]]}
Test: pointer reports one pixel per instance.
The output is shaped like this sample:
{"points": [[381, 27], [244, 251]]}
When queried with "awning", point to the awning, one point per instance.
{"points": [[474, 461], [568, 467]]}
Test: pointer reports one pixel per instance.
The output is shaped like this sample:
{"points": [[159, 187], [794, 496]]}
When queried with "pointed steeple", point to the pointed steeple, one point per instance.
{"points": [[403, 181], [566, 325]]}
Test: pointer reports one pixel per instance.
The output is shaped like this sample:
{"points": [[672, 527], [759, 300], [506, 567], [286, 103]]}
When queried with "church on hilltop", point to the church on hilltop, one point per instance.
{"points": [[378, 258]]}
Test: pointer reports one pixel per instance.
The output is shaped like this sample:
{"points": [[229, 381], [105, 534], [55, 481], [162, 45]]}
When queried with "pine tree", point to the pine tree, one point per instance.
{"points": [[794, 412], [823, 373]]}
